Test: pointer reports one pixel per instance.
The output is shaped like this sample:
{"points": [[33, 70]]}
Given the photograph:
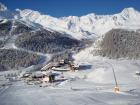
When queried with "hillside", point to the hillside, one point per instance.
{"points": [[33, 41], [13, 59], [117, 43], [75, 60], [47, 42], [88, 26]]}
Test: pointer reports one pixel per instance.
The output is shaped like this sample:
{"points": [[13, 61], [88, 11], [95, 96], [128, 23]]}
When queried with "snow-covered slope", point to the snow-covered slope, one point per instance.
{"points": [[90, 25], [46, 21], [2, 7], [5, 13]]}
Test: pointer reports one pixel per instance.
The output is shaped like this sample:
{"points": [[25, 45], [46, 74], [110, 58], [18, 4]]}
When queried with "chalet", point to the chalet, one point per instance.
{"points": [[50, 77], [38, 75], [74, 66], [49, 66], [62, 66], [62, 62]]}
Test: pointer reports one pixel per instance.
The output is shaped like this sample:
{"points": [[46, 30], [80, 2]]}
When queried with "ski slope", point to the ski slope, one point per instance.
{"points": [[91, 86]]}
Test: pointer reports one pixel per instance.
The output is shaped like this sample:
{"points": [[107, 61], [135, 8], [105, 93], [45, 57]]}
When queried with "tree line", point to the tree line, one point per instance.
{"points": [[10, 58], [47, 42]]}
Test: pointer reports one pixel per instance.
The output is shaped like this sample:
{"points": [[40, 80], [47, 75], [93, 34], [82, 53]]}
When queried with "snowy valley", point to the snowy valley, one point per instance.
{"points": [[69, 60]]}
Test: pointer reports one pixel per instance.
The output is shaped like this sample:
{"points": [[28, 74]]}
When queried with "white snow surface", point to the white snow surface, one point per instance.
{"points": [[101, 71], [88, 26], [2, 7], [95, 89], [90, 86]]}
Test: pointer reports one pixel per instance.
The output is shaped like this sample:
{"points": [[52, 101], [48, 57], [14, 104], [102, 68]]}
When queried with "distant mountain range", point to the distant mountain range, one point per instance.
{"points": [[30, 34], [88, 26]]}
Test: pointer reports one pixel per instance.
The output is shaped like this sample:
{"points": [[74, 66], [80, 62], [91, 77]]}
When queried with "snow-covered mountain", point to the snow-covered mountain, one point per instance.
{"points": [[88, 26], [2, 7], [5, 13]]}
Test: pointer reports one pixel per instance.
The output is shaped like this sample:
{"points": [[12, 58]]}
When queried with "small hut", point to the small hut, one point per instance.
{"points": [[50, 77], [62, 62], [74, 66], [37, 75]]}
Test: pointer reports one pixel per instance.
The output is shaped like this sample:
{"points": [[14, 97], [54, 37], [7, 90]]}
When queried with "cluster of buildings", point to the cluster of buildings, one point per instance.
{"points": [[50, 73], [62, 65]]}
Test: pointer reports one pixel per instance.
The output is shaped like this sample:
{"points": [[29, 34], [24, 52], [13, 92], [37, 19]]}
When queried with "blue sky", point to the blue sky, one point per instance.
{"points": [[59, 8]]}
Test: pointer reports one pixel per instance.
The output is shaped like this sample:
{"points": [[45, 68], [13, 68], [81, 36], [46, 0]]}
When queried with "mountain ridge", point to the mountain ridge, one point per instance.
{"points": [[88, 26], [2, 7]]}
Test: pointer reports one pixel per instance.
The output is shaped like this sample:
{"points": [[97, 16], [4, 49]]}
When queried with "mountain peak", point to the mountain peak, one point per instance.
{"points": [[130, 13], [129, 10], [2, 7]]}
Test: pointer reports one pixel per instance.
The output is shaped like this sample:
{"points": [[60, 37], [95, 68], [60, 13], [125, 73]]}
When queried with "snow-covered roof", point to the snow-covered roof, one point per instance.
{"points": [[52, 73], [49, 65]]}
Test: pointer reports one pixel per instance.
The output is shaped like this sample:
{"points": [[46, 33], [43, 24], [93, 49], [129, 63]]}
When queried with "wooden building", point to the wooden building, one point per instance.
{"points": [[50, 77], [73, 66], [49, 66]]}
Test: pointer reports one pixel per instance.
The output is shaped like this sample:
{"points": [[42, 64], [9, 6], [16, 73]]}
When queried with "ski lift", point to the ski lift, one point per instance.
{"points": [[116, 88]]}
